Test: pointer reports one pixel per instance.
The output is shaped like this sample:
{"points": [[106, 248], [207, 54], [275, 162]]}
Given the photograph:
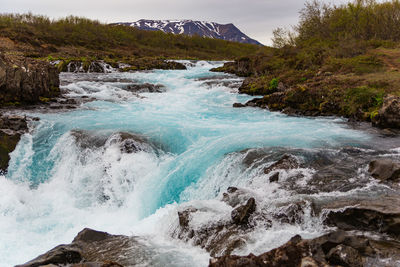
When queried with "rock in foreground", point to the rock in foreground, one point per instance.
{"points": [[95, 249], [335, 249]]}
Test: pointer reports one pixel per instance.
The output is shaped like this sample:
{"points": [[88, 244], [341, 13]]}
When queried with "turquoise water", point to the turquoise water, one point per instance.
{"points": [[54, 187]]}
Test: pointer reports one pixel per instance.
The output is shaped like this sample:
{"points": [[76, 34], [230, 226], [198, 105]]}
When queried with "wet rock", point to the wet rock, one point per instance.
{"points": [[98, 264], [290, 254], [234, 196], [366, 220], [274, 177], [128, 142], [92, 248], [238, 105], [337, 248], [11, 129], [153, 63], [99, 67], [145, 88], [26, 80], [384, 169], [292, 213], [131, 143], [218, 238], [184, 217], [241, 214], [89, 235], [344, 256], [60, 255], [287, 162], [389, 114]]}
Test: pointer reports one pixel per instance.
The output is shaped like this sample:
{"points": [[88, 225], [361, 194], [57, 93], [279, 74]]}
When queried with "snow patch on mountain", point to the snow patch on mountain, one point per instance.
{"points": [[227, 32]]}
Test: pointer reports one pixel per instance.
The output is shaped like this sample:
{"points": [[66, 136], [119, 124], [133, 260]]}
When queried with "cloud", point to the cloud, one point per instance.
{"points": [[256, 18]]}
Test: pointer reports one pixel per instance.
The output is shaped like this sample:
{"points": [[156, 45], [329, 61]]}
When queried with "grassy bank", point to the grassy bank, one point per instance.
{"points": [[340, 60], [39, 36]]}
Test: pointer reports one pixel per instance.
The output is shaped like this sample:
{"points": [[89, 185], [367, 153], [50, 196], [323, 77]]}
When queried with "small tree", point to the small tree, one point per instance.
{"points": [[281, 38]]}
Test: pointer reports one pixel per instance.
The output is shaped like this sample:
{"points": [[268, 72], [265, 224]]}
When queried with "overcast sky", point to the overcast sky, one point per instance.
{"points": [[256, 18]]}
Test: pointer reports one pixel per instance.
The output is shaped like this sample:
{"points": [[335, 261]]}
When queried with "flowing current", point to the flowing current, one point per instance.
{"points": [[69, 172]]}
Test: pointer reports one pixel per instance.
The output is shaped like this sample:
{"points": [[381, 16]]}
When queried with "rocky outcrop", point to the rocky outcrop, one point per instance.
{"points": [[153, 63], [241, 214], [95, 249], [335, 249], [26, 80], [389, 114], [223, 236], [11, 129], [287, 162], [384, 169], [366, 219], [219, 238], [127, 142], [145, 88], [240, 67]]}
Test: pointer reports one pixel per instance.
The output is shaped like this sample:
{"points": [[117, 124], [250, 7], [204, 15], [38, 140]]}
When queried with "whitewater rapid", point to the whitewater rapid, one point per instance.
{"points": [[55, 187]]}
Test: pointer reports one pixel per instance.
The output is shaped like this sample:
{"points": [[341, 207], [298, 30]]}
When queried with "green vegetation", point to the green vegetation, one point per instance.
{"points": [[39, 36], [338, 60]]}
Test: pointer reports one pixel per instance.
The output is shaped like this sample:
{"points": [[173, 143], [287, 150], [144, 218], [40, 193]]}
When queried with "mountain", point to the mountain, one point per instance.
{"points": [[227, 32]]}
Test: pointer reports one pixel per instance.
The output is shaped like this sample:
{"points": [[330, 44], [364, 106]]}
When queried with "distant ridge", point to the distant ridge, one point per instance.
{"points": [[227, 32]]}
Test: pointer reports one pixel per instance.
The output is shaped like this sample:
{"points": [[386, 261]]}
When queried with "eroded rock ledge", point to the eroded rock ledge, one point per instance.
{"points": [[26, 80]]}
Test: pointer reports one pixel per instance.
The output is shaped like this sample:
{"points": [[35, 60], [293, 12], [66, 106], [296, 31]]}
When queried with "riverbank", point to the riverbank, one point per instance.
{"points": [[240, 181], [331, 63], [371, 96]]}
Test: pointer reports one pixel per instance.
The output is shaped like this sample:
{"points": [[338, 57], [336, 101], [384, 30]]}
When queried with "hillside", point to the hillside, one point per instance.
{"points": [[339, 60], [207, 29], [39, 36]]}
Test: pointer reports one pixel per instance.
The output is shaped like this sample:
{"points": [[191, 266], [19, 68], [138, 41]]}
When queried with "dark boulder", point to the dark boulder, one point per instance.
{"points": [[63, 254], [274, 177], [241, 214], [234, 196], [184, 217], [292, 213], [389, 114], [92, 248], [366, 220], [221, 237], [128, 142], [11, 129], [287, 162], [238, 105], [26, 80], [335, 249], [345, 256], [97, 264], [288, 255], [384, 169], [145, 88], [88, 235], [218, 238]]}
